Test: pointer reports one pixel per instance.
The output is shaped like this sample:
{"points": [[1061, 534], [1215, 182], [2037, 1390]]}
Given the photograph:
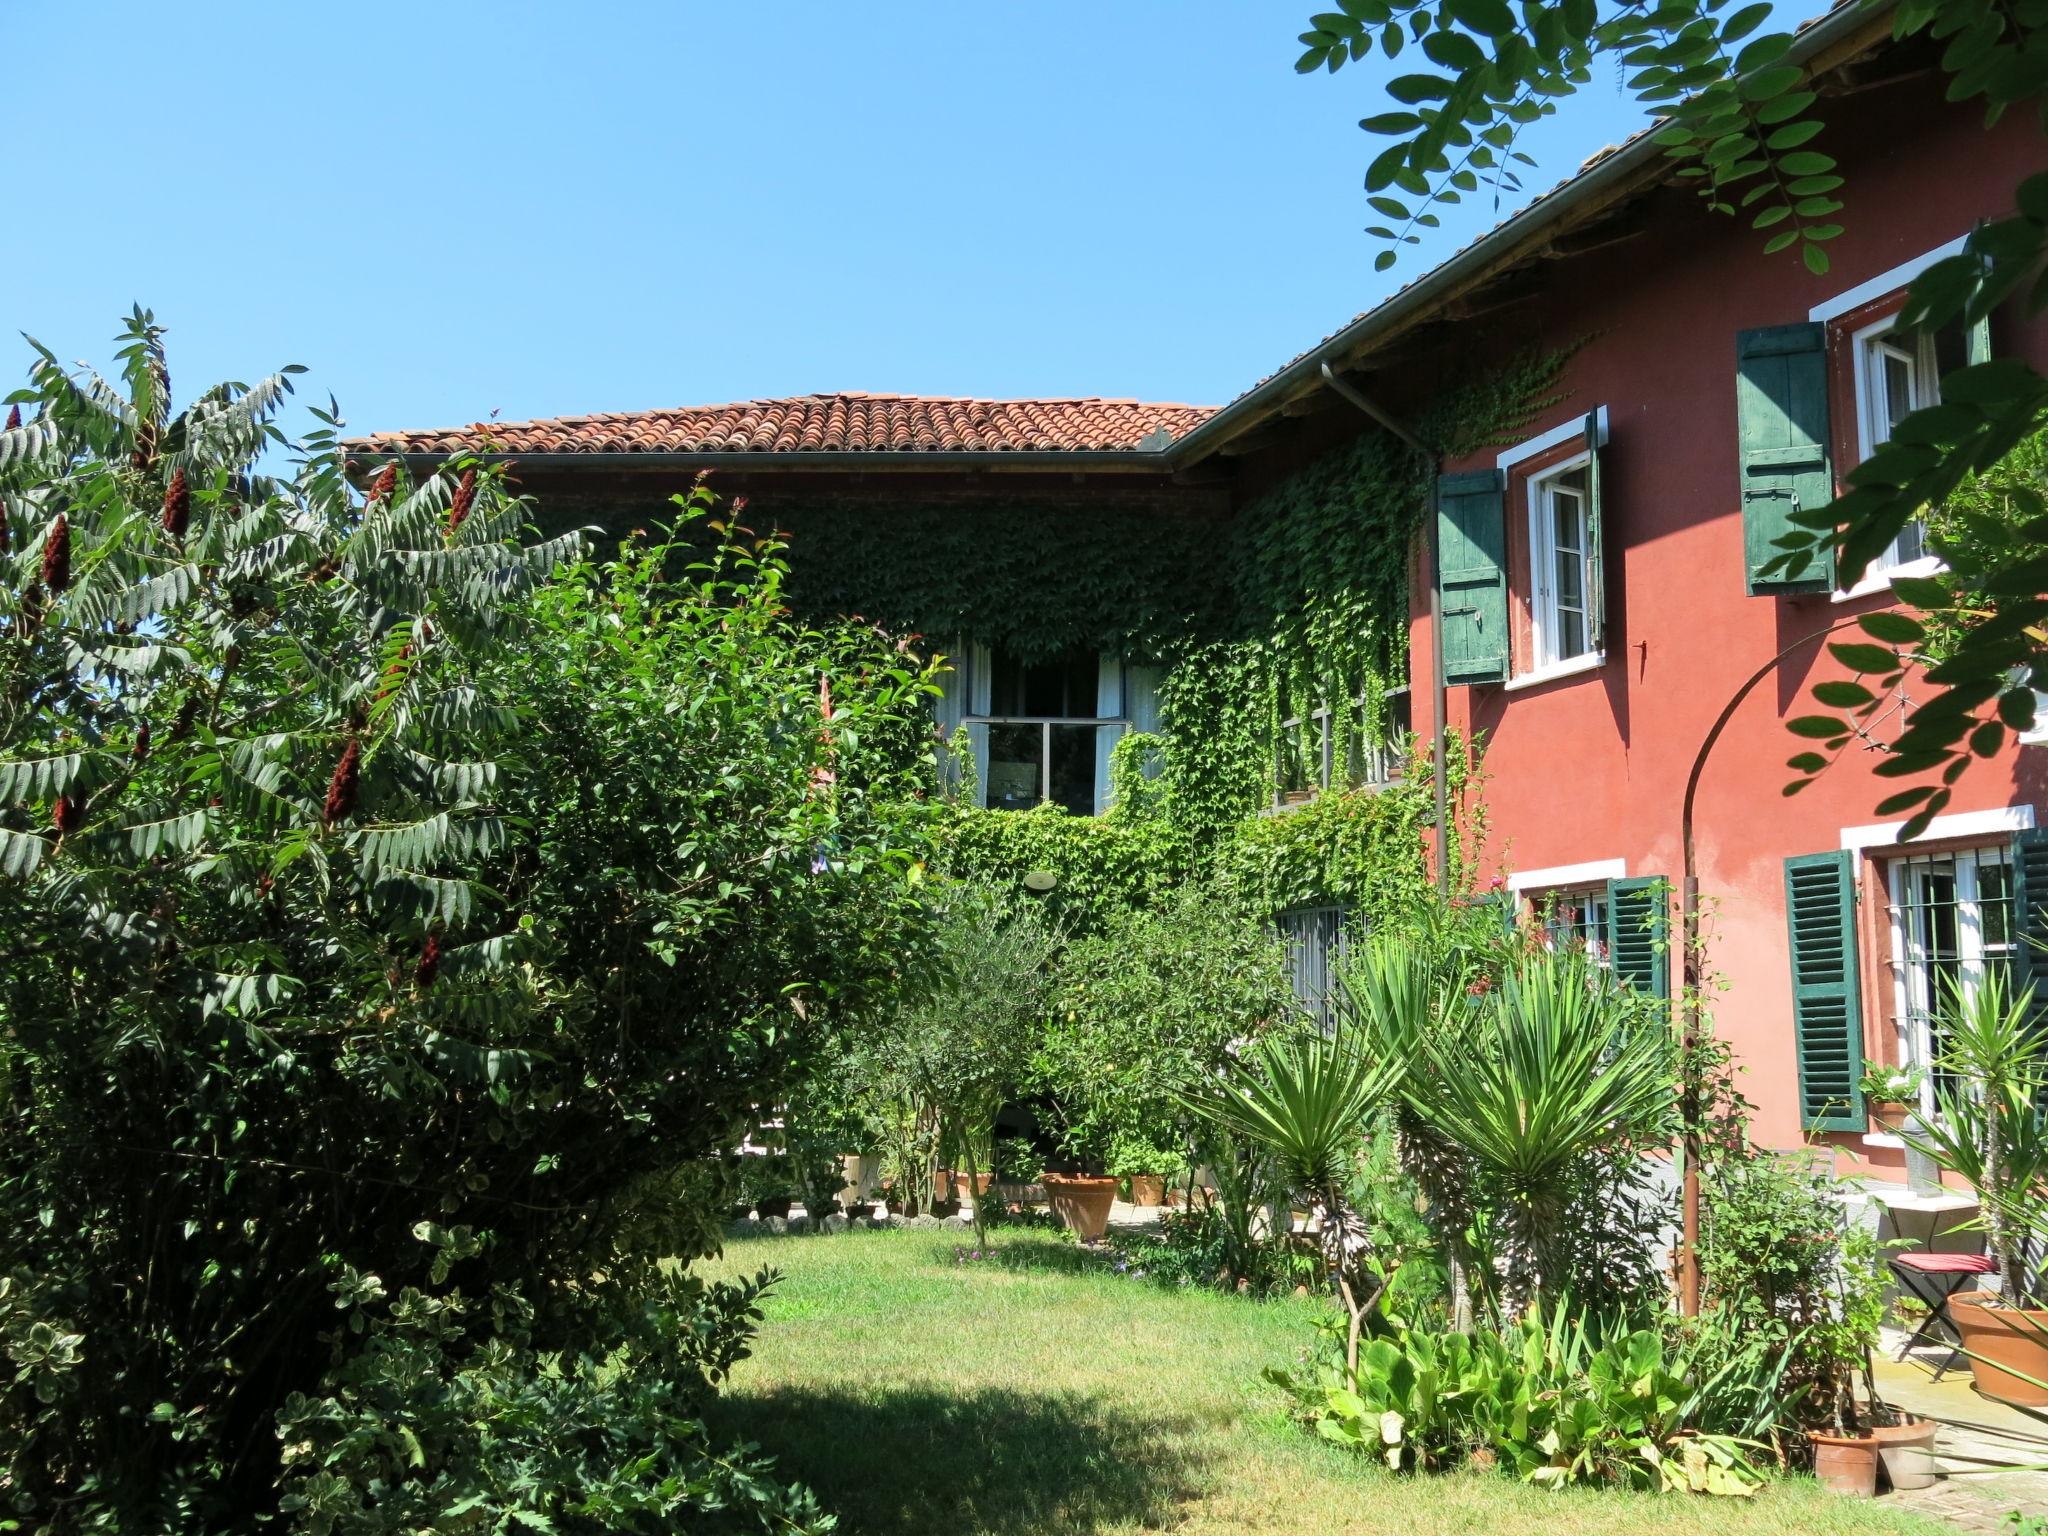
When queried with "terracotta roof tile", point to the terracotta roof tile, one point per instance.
{"points": [[842, 423]]}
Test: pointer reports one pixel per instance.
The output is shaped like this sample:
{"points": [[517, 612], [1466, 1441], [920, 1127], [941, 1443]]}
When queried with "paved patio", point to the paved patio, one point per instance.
{"points": [[1994, 1458]]}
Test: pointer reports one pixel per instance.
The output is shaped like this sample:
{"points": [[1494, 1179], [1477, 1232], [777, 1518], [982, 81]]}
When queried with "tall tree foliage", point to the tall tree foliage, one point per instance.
{"points": [[390, 912], [1742, 123]]}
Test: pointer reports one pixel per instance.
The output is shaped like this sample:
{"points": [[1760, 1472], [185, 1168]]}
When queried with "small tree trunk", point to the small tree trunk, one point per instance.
{"points": [[1346, 1242], [974, 1196]]}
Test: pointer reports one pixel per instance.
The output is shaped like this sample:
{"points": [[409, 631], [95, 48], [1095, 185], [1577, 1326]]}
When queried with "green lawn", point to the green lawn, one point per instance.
{"points": [[1036, 1393]]}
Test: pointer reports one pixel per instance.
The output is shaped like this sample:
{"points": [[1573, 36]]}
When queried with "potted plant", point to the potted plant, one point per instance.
{"points": [[1020, 1173], [1851, 1418], [1892, 1094], [1990, 1128], [1082, 1202]]}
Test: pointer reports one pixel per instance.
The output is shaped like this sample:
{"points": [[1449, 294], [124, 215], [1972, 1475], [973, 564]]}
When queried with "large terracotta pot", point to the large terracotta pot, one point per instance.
{"points": [[1845, 1466], [2006, 1346], [1082, 1204], [1148, 1189], [981, 1182], [1906, 1452]]}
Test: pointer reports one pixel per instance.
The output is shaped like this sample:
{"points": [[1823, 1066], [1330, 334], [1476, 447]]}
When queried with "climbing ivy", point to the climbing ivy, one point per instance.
{"points": [[1320, 570], [1364, 849], [1035, 577], [1298, 601]]}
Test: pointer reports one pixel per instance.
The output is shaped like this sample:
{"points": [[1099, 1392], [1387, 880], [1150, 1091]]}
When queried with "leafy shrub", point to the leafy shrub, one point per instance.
{"points": [[1783, 1269], [366, 873], [937, 1066], [1200, 1245], [427, 1422], [1146, 1011], [1543, 1397]]}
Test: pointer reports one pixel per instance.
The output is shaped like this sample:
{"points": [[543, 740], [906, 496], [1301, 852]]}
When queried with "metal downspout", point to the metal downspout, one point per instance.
{"points": [[1439, 689]]}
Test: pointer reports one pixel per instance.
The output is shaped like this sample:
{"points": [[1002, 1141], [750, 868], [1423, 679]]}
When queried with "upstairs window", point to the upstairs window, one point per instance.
{"points": [[1043, 724], [1561, 567], [1898, 373]]}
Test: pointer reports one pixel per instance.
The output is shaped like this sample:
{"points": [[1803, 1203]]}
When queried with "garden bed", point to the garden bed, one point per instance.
{"points": [[1035, 1390]]}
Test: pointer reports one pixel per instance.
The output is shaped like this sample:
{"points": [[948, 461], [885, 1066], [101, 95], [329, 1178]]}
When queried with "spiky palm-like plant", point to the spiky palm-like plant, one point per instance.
{"points": [[1989, 1125], [1305, 1099], [1397, 990], [1557, 1062]]}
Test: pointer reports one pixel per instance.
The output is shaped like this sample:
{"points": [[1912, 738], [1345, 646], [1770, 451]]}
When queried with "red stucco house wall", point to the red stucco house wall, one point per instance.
{"points": [[1591, 767]]}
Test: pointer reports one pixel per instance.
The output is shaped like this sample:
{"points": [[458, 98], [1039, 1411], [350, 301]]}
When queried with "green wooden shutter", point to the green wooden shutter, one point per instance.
{"points": [[2030, 919], [1781, 413], [1827, 1011], [1638, 933], [1472, 575], [1977, 342], [1596, 544]]}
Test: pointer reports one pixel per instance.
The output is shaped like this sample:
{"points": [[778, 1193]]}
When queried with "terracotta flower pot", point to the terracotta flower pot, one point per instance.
{"points": [[942, 1185], [1906, 1452], [981, 1182], [1845, 1466], [1890, 1114], [1082, 1204], [2006, 1345], [1148, 1189]]}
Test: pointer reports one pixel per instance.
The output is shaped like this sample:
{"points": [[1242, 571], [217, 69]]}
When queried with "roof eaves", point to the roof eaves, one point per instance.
{"points": [[821, 460], [1637, 162]]}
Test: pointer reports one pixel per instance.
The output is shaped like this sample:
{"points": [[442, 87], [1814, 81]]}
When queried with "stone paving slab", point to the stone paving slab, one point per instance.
{"points": [[1994, 1457]]}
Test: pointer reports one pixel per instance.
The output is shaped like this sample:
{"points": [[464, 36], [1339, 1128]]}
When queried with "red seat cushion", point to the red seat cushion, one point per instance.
{"points": [[1946, 1263]]}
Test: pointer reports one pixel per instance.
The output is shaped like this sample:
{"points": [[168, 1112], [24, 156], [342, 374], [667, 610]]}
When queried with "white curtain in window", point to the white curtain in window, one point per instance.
{"points": [[980, 699], [1141, 697], [1109, 703]]}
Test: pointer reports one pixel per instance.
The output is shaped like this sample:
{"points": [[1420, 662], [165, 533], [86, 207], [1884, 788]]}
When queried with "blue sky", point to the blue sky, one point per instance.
{"points": [[446, 209]]}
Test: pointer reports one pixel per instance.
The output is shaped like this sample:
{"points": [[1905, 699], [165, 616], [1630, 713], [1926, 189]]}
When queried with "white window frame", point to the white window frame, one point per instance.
{"points": [[1873, 428], [1543, 608], [1912, 1003]]}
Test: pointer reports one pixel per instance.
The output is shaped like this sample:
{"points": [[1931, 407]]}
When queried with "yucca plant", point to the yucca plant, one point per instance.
{"points": [[1305, 1098], [1990, 1124], [1396, 990], [1554, 1063]]}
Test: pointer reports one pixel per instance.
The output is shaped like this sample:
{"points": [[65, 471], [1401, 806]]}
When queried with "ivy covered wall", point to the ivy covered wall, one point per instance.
{"points": [[1294, 598]]}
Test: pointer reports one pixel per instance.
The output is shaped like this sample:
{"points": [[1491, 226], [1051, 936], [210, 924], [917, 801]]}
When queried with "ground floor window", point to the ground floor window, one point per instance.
{"points": [[1952, 922], [1571, 919], [1316, 941]]}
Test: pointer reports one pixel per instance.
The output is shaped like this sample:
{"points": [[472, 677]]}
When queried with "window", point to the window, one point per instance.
{"points": [[1316, 938], [1897, 373], [1048, 731], [1326, 747], [1571, 919], [1562, 574], [1952, 921]]}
